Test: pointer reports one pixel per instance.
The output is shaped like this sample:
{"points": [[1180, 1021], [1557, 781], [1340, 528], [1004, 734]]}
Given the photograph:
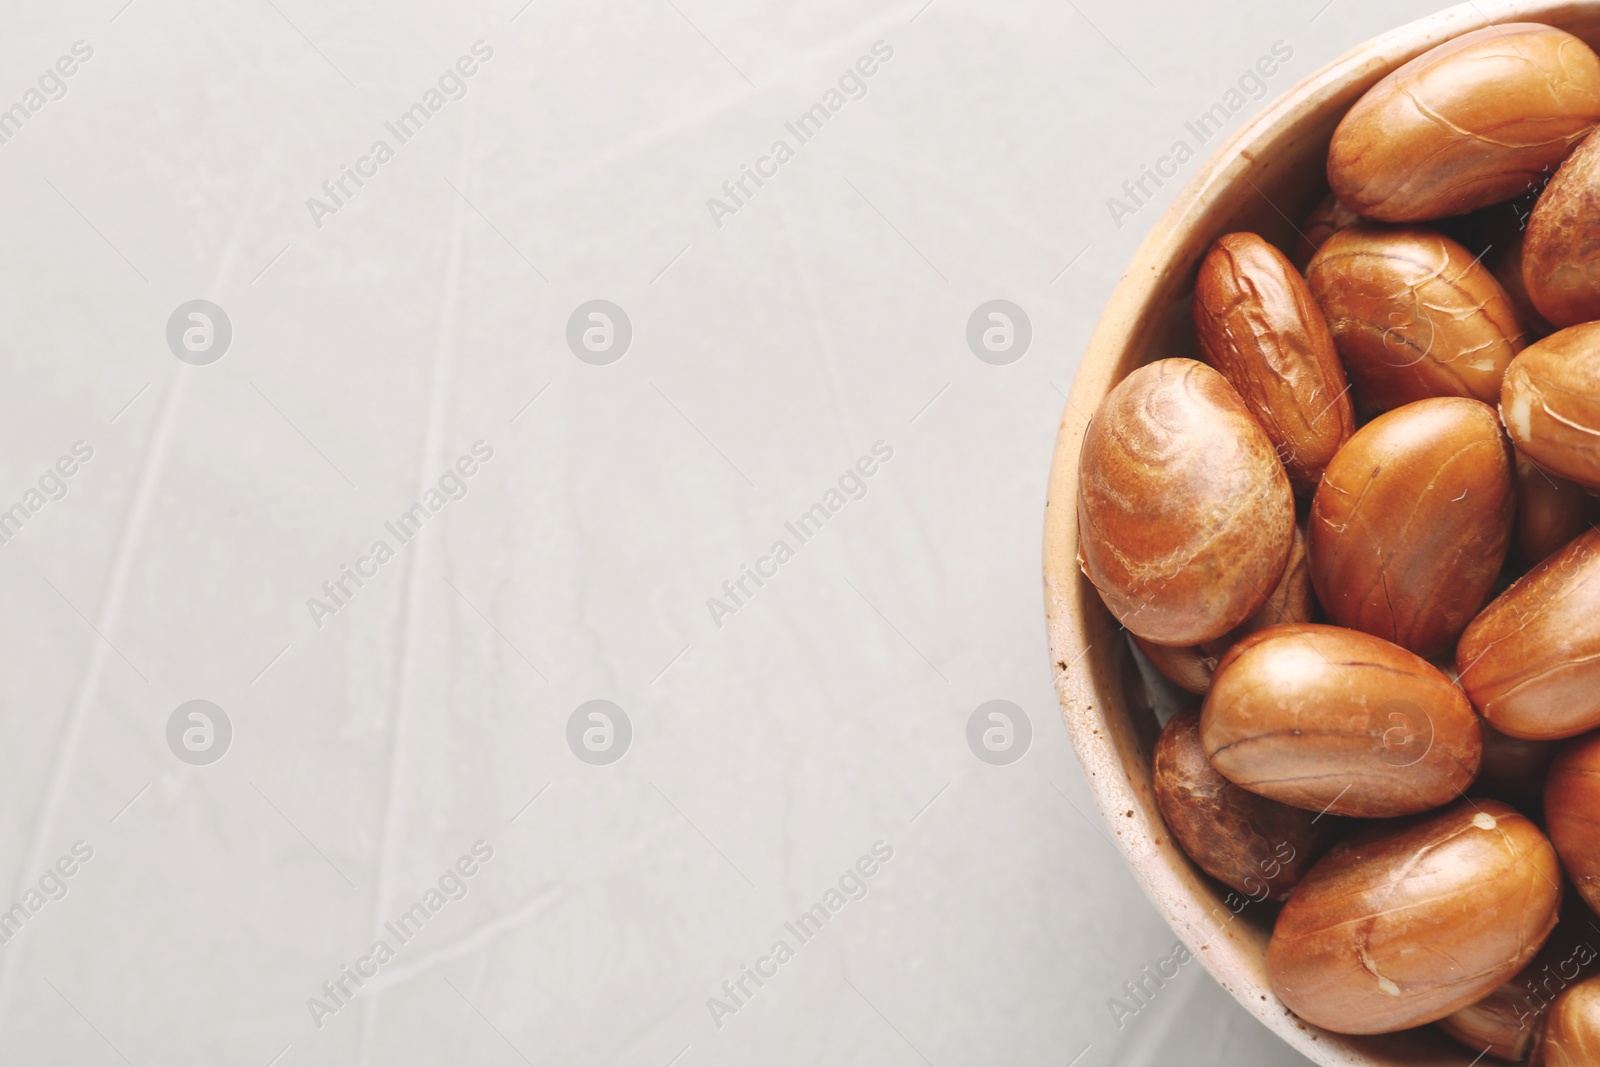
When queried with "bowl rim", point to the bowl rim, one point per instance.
{"points": [[1171, 886]]}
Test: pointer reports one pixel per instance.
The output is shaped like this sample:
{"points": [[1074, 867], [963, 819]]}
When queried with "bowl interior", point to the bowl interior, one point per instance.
{"points": [[1266, 179]]}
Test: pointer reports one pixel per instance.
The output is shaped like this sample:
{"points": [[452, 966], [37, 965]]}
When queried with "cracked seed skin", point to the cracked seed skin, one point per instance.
{"points": [[1561, 253], [1413, 315], [1531, 660], [1412, 522], [1479, 119], [1328, 719], [1550, 402], [1259, 326], [1185, 514], [1404, 923]]}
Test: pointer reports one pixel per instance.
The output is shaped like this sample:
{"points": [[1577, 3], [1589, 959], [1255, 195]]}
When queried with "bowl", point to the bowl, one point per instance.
{"points": [[1269, 173]]}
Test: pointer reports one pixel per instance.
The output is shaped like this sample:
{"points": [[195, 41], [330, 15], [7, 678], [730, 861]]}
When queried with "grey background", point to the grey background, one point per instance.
{"points": [[768, 754]]}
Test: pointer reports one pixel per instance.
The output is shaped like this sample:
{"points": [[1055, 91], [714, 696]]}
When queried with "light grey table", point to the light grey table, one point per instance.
{"points": [[576, 502]]}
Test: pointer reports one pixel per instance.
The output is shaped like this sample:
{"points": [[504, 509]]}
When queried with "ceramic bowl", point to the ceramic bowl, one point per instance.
{"points": [[1271, 172]]}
